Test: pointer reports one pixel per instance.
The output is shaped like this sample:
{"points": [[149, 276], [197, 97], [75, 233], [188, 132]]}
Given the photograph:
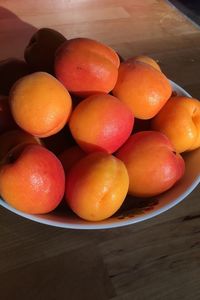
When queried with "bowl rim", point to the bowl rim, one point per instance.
{"points": [[114, 224]]}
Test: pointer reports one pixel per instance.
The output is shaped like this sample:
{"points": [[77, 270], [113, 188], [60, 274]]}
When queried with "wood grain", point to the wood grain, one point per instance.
{"points": [[158, 259]]}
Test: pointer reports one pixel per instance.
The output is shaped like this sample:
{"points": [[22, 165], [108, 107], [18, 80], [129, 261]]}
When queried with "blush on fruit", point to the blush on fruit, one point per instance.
{"points": [[86, 67], [101, 122], [153, 165], [32, 179]]}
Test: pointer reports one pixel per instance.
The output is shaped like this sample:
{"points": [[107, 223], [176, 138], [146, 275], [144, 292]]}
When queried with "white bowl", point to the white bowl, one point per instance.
{"points": [[132, 211]]}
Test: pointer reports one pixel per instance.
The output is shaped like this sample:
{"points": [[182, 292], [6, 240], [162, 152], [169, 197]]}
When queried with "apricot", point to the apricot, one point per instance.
{"points": [[179, 120], [152, 164], [86, 66], [6, 119], [143, 88], [40, 51], [13, 138], [145, 59], [96, 186], [32, 179], [70, 156], [101, 122], [40, 104], [11, 70]]}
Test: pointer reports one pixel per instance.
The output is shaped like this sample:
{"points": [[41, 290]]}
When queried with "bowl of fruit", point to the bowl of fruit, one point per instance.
{"points": [[89, 141]]}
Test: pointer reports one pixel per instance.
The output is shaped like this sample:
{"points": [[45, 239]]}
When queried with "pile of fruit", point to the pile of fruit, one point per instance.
{"points": [[78, 124]]}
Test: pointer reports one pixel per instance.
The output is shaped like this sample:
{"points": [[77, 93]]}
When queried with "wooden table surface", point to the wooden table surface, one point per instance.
{"points": [[156, 259]]}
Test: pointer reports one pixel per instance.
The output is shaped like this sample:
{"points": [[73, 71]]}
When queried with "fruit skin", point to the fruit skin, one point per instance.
{"points": [[6, 119], [145, 59], [152, 164], [86, 66], [40, 104], [13, 138], [179, 120], [40, 51], [101, 122], [144, 89], [34, 183], [70, 156], [96, 186], [11, 70]]}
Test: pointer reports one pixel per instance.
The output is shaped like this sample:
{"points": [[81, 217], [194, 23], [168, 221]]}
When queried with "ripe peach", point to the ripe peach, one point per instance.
{"points": [[40, 104], [70, 156], [86, 66], [145, 59], [11, 70], [143, 88], [101, 122], [179, 120], [40, 51], [96, 186], [13, 138], [32, 179], [6, 119], [152, 164]]}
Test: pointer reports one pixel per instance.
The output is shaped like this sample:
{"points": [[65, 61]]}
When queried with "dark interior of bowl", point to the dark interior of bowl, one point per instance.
{"points": [[131, 207]]}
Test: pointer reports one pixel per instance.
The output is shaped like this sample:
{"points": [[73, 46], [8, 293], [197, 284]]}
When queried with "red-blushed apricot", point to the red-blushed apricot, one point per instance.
{"points": [[86, 66], [11, 139], [32, 179], [145, 59], [96, 186], [179, 120], [70, 156], [152, 164], [40, 51], [40, 104], [142, 88], [101, 122], [6, 120]]}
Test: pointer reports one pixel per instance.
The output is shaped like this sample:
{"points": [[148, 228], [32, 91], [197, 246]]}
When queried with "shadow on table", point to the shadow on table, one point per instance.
{"points": [[14, 34]]}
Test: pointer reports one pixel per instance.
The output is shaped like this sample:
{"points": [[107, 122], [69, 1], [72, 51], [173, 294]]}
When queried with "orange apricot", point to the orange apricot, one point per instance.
{"points": [[144, 89], [40, 104], [179, 120], [145, 59], [96, 186]]}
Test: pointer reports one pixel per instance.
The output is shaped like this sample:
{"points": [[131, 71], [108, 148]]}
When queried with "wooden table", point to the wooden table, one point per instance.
{"points": [[156, 259]]}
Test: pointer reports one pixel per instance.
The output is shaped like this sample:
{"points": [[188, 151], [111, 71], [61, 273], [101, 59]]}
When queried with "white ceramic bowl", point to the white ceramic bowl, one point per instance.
{"points": [[132, 211]]}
